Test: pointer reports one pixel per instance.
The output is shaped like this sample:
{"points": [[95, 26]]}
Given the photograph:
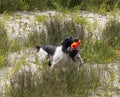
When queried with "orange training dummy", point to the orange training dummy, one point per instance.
{"points": [[75, 45]]}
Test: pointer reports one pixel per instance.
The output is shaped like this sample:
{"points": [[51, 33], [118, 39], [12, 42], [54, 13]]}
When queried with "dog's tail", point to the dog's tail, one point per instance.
{"points": [[38, 48]]}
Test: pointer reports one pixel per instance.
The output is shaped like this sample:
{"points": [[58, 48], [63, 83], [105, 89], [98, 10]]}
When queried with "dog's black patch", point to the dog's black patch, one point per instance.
{"points": [[38, 48], [72, 53], [49, 49], [67, 42]]}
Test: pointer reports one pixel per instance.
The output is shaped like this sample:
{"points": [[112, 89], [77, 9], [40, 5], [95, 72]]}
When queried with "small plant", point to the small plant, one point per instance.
{"points": [[97, 52], [41, 18], [36, 38], [80, 20], [70, 83], [58, 30], [23, 5], [3, 39], [2, 58], [4, 47], [103, 7], [111, 33]]}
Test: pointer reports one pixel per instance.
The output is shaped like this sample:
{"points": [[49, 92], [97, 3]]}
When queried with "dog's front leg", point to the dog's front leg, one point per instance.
{"points": [[80, 60], [55, 63]]}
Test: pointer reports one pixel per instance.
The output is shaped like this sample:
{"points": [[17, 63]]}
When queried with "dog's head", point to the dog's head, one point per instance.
{"points": [[67, 43]]}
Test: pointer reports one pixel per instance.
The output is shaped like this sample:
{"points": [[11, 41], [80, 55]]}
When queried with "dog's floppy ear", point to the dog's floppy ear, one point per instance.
{"points": [[67, 38]]}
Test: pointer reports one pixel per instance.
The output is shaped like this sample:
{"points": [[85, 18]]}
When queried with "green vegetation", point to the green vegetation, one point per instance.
{"points": [[62, 29], [14, 5], [97, 52], [89, 5], [3, 44], [35, 38], [111, 33], [40, 18], [70, 83], [56, 31]]}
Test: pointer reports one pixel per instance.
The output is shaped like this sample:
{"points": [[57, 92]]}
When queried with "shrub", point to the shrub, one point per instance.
{"points": [[41, 19], [8, 5], [58, 30], [13, 5], [36, 38], [70, 83], [3, 39], [2, 58], [89, 5], [111, 33], [97, 52], [3, 44], [16, 44]]}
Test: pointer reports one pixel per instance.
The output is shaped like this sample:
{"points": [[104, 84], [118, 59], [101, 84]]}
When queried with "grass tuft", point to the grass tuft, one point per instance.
{"points": [[97, 52], [58, 30], [4, 46], [70, 83], [111, 33]]}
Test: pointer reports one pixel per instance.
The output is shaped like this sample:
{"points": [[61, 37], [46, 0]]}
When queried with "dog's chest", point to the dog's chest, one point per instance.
{"points": [[60, 57]]}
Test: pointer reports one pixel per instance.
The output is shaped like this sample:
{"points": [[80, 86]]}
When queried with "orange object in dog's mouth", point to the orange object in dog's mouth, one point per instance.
{"points": [[75, 45]]}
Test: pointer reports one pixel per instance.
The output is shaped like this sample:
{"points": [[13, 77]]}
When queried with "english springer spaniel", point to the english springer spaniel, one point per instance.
{"points": [[60, 56]]}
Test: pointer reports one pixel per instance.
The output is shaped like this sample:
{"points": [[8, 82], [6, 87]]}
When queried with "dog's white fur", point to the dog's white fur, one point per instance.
{"points": [[42, 55]]}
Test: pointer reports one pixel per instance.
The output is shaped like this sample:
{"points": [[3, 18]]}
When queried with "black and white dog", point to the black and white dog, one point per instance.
{"points": [[60, 56]]}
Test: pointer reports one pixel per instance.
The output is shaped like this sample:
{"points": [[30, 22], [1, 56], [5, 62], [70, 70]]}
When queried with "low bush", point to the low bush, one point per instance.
{"points": [[89, 5], [36, 38], [3, 39], [97, 52], [57, 30], [4, 44], [70, 83], [111, 33]]}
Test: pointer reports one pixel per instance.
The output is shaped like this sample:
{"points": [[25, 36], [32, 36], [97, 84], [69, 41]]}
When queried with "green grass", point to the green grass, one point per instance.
{"points": [[40, 18], [98, 52], [70, 83], [4, 46], [57, 30], [111, 33], [87, 5]]}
